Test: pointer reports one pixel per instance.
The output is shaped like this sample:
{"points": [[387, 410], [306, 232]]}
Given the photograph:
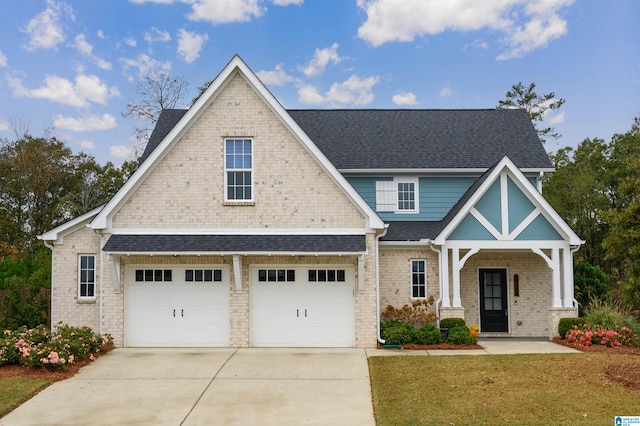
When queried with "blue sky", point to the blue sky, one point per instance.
{"points": [[68, 68]]}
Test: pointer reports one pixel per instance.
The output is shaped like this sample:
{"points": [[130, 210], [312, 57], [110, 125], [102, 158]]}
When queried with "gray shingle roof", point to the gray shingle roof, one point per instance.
{"points": [[423, 139], [415, 139], [122, 243]]}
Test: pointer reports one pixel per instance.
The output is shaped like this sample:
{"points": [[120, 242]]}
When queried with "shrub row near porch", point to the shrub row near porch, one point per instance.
{"points": [[605, 323], [401, 333], [38, 347]]}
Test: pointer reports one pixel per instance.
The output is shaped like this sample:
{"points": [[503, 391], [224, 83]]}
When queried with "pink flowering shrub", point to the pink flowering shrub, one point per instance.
{"points": [[38, 347], [588, 335]]}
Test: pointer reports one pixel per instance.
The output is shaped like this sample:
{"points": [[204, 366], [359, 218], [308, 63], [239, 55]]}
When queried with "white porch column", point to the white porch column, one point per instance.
{"points": [[455, 269], [567, 262], [444, 278], [555, 261]]}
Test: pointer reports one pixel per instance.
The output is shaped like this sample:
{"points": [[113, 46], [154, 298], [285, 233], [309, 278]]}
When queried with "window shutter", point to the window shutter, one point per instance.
{"points": [[386, 196]]}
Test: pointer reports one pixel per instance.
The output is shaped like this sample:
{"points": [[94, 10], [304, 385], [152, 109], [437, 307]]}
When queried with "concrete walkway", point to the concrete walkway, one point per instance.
{"points": [[491, 346], [227, 386]]}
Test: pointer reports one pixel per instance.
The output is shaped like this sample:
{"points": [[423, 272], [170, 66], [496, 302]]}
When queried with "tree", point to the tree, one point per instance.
{"points": [[35, 175], [623, 240], [156, 91], [578, 192], [521, 96]]}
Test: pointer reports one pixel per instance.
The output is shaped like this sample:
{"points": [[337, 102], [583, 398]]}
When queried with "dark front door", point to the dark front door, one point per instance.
{"points": [[494, 315]]}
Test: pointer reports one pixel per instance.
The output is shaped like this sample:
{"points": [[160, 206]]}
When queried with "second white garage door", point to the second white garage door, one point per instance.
{"points": [[177, 306], [311, 306]]}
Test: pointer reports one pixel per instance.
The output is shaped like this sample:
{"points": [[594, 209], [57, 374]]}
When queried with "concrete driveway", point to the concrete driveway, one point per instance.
{"points": [[209, 386]]}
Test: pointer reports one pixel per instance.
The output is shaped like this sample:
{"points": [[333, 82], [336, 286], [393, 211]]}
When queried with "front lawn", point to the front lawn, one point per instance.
{"points": [[501, 389], [15, 390]]}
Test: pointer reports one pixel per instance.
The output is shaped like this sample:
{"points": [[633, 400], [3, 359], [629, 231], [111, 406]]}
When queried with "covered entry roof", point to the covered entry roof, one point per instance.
{"points": [[170, 244]]}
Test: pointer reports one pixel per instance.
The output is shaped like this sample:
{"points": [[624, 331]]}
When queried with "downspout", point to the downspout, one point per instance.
{"points": [[575, 302], [386, 228], [439, 300], [50, 247], [99, 234]]}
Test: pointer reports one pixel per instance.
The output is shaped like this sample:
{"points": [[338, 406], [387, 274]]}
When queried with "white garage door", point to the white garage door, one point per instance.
{"points": [[310, 306], [177, 306]]}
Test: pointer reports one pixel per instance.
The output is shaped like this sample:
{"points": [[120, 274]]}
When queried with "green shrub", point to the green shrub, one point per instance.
{"points": [[397, 332], [567, 324], [451, 322], [24, 304], [417, 314], [427, 335], [608, 314], [38, 347], [460, 335]]}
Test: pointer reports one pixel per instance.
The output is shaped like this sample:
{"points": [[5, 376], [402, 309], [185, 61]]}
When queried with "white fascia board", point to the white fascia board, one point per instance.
{"points": [[521, 180], [434, 171], [57, 234], [239, 253], [242, 231], [506, 245]]}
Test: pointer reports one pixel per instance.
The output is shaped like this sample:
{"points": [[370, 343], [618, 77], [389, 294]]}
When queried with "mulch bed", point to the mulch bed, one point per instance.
{"points": [[624, 374]]}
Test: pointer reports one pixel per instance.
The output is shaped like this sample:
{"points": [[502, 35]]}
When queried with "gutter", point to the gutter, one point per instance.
{"points": [[575, 302], [50, 247], [99, 235], [386, 228]]}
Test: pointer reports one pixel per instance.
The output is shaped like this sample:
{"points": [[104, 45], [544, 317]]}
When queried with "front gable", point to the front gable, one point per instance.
{"points": [[182, 183], [506, 207]]}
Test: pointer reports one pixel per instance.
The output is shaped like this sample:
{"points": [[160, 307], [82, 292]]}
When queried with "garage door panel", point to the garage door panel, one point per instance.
{"points": [[176, 313], [302, 313]]}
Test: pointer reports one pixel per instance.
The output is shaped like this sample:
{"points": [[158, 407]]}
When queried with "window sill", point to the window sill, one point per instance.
{"points": [[239, 203], [86, 301]]}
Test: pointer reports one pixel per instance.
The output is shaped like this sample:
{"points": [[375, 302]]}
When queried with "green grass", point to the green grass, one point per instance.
{"points": [[562, 389], [15, 390]]}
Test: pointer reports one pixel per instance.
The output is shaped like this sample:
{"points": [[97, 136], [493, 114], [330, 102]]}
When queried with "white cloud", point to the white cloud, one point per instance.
{"points": [[225, 11], [144, 64], [287, 2], [82, 46], [4, 126], [3, 59], [119, 151], [557, 119], [477, 44], [445, 92], [45, 29], [157, 36], [100, 34], [309, 95], [277, 77], [130, 41], [526, 24], [353, 91], [88, 145], [190, 45], [86, 89], [321, 59], [404, 98], [88, 123]]}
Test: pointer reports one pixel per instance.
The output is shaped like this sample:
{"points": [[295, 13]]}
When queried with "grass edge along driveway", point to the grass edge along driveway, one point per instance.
{"points": [[15, 390], [544, 389]]}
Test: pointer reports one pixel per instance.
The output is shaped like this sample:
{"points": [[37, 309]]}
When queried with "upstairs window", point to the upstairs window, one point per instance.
{"points": [[399, 195], [238, 170]]}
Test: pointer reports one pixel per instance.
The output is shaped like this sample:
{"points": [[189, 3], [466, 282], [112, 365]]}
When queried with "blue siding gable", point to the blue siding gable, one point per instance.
{"points": [[437, 195]]}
